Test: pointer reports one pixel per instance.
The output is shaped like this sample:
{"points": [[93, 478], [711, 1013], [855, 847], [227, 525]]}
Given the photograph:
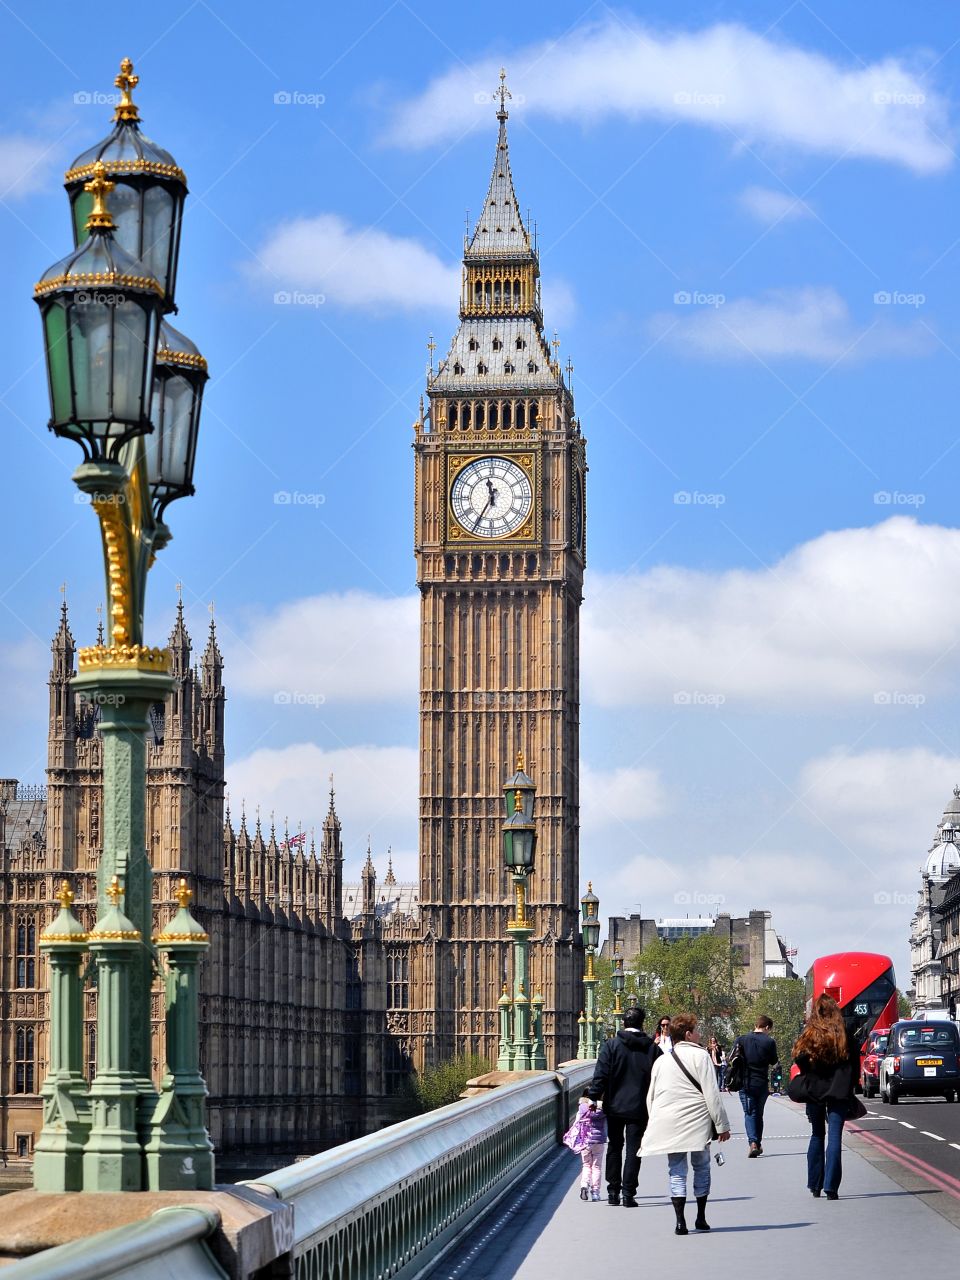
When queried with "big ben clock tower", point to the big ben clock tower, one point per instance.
{"points": [[500, 545]]}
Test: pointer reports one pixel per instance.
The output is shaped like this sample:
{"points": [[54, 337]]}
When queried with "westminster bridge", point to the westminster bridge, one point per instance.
{"points": [[483, 1190]]}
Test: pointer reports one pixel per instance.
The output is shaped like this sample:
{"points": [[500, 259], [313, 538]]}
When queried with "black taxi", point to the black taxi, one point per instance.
{"points": [[922, 1059]]}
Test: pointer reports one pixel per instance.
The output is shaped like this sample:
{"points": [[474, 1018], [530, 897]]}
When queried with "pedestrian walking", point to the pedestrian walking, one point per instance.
{"points": [[759, 1050], [718, 1058], [592, 1124], [828, 1055], [621, 1079], [686, 1114], [662, 1038]]}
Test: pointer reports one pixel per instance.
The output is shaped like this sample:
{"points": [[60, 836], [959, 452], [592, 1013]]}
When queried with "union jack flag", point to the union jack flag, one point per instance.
{"points": [[293, 842]]}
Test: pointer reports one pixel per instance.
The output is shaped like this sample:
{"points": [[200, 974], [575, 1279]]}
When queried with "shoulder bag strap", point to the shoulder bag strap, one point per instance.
{"points": [[693, 1080]]}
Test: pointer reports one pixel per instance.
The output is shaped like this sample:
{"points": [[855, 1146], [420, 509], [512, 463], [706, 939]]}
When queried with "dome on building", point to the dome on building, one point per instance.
{"points": [[942, 861]]}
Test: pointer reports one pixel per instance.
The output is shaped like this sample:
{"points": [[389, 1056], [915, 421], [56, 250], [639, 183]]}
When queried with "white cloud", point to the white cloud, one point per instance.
{"points": [[360, 267], [623, 794], [349, 647], [886, 802], [803, 324], [845, 619], [26, 165], [725, 77], [772, 206]]}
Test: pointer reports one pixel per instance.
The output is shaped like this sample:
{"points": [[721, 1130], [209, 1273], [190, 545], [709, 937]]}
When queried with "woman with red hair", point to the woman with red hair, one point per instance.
{"points": [[829, 1058]]}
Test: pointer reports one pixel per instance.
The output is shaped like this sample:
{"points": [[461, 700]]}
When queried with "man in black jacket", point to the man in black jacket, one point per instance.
{"points": [[760, 1052], [621, 1079]]}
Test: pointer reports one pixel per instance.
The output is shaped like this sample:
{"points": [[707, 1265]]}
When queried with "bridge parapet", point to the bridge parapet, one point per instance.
{"points": [[385, 1206]]}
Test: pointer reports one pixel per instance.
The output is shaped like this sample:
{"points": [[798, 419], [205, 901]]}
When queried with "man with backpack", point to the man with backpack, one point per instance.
{"points": [[621, 1079], [748, 1071]]}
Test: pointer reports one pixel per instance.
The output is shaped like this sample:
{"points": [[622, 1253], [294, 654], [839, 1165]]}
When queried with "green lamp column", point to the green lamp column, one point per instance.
{"points": [[582, 1037], [504, 1055], [58, 1158], [590, 928], [618, 983], [519, 844], [112, 1158], [179, 1153], [538, 1049]]}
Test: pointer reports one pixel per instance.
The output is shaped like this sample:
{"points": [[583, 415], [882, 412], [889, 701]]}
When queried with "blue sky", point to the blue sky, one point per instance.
{"points": [[748, 230]]}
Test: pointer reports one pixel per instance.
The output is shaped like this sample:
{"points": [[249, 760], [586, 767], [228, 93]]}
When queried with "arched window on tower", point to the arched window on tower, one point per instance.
{"points": [[496, 293], [458, 368], [508, 367], [497, 344], [494, 417], [465, 419], [534, 410], [478, 292], [487, 293], [516, 293], [521, 416], [26, 967], [507, 416], [479, 417], [24, 1062], [453, 415], [520, 344]]}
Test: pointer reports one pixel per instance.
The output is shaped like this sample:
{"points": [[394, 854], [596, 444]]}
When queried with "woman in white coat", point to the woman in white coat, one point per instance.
{"points": [[685, 1107]]}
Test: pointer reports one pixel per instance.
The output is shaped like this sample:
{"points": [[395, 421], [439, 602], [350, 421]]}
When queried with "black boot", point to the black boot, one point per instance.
{"points": [[678, 1203], [701, 1223]]}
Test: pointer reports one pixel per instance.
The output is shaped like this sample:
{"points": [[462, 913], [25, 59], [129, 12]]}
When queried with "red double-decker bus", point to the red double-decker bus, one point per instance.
{"points": [[863, 985]]}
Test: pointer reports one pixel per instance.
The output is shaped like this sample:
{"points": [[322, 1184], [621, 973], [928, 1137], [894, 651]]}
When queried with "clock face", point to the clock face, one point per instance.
{"points": [[491, 497]]}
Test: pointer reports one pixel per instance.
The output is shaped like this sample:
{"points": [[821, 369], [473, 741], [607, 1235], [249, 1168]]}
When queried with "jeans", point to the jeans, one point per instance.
{"points": [[677, 1168], [826, 1121], [753, 1100], [623, 1144], [592, 1158]]}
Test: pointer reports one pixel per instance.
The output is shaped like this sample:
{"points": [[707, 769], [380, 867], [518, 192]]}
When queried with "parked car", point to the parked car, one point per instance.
{"points": [[921, 1058], [871, 1055]]}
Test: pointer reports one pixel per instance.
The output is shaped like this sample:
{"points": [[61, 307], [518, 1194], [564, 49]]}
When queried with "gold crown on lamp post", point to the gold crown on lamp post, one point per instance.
{"points": [[126, 82], [65, 896], [100, 187], [183, 895]]}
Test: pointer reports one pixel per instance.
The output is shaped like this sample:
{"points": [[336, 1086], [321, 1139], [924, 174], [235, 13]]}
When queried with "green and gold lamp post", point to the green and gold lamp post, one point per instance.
{"points": [[618, 985], [590, 929], [127, 388], [524, 1049]]}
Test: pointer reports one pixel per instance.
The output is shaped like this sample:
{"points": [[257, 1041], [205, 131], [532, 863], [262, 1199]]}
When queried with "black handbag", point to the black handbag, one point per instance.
{"points": [[714, 1132]]}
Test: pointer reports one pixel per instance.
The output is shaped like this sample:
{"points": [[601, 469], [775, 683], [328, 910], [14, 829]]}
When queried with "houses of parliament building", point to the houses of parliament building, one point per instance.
{"points": [[318, 997]]}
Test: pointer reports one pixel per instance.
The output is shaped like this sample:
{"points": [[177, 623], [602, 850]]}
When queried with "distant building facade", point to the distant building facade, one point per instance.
{"points": [[756, 946], [927, 959], [295, 1045]]}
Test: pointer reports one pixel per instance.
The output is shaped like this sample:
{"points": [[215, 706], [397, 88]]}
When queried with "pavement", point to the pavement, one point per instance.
{"points": [[542, 1228]]}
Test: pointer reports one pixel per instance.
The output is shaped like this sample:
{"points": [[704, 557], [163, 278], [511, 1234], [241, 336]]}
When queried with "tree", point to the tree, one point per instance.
{"points": [[696, 975], [783, 1000], [444, 1083], [904, 1008]]}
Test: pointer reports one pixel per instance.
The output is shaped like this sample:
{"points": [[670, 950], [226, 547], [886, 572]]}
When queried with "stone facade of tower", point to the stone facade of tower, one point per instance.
{"points": [[500, 548], [294, 1042]]}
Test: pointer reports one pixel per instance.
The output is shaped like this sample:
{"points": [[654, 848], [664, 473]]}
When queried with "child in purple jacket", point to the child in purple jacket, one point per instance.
{"points": [[593, 1128]]}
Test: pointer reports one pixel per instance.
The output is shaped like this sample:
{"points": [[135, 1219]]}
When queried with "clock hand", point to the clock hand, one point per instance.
{"points": [[482, 513]]}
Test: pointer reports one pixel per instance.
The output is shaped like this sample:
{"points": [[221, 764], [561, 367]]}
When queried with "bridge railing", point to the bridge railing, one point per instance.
{"points": [[390, 1204], [384, 1206]]}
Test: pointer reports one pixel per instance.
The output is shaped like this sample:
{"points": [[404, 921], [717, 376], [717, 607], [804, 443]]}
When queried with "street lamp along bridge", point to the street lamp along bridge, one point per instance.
{"points": [[126, 387]]}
